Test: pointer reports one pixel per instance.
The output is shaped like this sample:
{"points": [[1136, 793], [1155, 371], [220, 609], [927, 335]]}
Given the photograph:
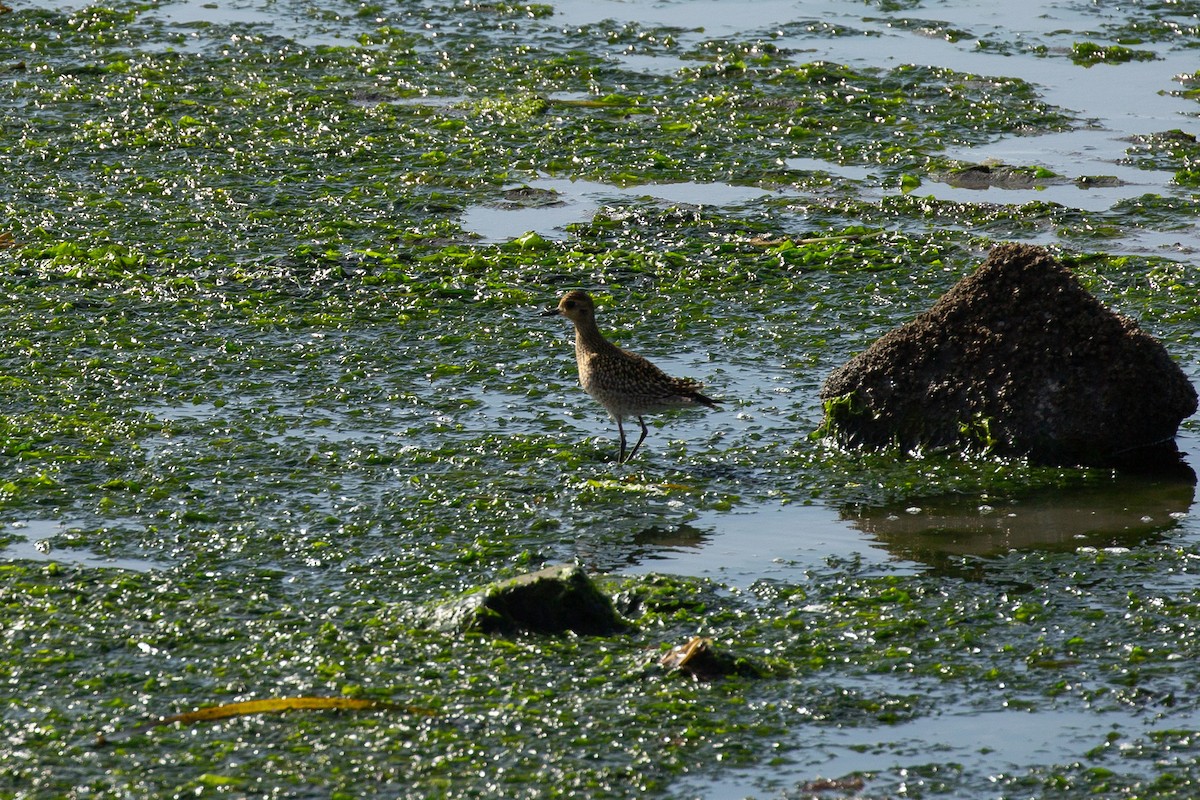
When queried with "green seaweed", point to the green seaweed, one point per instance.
{"points": [[248, 344], [1088, 53]]}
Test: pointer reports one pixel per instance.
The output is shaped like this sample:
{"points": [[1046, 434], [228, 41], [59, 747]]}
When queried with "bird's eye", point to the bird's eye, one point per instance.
{"points": [[570, 304]]}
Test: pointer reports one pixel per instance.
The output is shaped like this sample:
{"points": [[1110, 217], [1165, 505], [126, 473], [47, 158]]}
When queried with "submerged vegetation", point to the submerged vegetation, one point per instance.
{"points": [[1088, 53], [251, 353]]}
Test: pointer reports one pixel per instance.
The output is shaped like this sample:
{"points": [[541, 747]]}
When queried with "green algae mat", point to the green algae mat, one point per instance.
{"points": [[265, 398]]}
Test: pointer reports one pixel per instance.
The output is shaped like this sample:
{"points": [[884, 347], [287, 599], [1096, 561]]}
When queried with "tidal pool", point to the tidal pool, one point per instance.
{"points": [[576, 202], [38, 540], [273, 381]]}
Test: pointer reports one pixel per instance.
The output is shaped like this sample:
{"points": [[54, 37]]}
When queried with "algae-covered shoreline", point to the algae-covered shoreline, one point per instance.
{"points": [[253, 357]]}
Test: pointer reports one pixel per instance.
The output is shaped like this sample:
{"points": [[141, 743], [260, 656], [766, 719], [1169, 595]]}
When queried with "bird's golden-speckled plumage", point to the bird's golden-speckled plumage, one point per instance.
{"points": [[626, 384]]}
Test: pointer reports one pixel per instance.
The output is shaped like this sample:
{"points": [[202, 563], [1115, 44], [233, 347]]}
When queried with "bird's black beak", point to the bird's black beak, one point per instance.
{"points": [[552, 312]]}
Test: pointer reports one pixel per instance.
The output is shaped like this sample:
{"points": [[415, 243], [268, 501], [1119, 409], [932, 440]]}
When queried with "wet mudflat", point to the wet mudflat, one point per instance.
{"points": [[274, 381]]}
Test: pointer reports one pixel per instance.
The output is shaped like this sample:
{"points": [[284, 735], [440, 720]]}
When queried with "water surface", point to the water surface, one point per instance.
{"points": [[276, 381]]}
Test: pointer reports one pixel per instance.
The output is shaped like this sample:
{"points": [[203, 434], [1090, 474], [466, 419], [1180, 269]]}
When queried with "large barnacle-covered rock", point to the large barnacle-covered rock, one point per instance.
{"points": [[1018, 358]]}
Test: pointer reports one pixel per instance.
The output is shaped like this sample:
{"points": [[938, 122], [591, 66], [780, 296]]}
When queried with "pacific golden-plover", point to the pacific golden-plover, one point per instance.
{"points": [[626, 384]]}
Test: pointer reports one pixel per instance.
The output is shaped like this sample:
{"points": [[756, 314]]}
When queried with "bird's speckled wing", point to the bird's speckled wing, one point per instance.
{"points": [[628, 384]]}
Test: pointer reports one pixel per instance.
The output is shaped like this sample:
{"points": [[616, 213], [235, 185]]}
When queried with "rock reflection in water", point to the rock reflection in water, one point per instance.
{"points": [[1123, 512], [652, 541]]}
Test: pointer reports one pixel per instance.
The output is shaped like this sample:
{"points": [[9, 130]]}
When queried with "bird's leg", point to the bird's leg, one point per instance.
{"points": [[621, 430], [641, 438]]}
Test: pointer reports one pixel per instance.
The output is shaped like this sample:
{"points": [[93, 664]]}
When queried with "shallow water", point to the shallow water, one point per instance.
{"points": [[789, 542], [1134, 102], [307, 392], [578, 201], [43, 540], [979, 744]]}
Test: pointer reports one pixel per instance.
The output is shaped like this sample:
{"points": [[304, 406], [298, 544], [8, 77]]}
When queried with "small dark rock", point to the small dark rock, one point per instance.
{"points": [[702, 661], [1017, 359], [996, 176], [529, 197], [552, 600], [1098, 181]]}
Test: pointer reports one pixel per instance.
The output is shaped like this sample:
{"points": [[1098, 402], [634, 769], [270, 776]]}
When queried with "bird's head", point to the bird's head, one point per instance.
{"points": [[576, 306]]}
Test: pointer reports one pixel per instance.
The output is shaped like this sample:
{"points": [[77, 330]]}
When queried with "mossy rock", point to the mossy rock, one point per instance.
{"points": [[998, 176], [1016, 359], [553, 600]]}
